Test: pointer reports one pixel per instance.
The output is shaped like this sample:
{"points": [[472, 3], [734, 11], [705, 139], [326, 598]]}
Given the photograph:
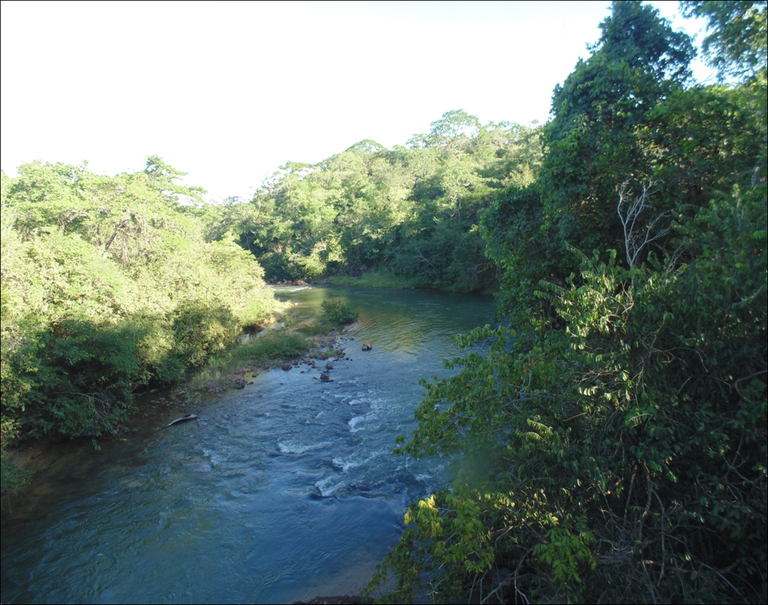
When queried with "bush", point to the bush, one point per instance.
{"points": [[339, 312], [13, 475], [313, 328], [202, 330], [274, 347]]}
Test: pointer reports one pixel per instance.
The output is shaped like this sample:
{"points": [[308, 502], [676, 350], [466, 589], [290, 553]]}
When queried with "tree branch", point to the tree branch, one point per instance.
{"points": [[635, 240]]}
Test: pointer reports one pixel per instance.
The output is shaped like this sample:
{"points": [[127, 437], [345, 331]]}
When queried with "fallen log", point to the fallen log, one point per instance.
{"points": [[182, 419]]}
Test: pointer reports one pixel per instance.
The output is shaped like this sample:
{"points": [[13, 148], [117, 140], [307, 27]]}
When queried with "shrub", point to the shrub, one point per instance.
{"points": [[339, 312]]}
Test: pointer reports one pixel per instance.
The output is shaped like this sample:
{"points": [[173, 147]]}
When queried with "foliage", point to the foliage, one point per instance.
{"points": [[12, 474], [313, 328], [630, 444], [597, 137], [323, 354], [339, 312], [515, 237], [737, 32], [412, 212], [108, 285], [271, 348], [609, 437], [274, 347]]}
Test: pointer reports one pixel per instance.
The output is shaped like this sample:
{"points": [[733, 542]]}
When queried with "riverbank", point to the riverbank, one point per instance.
{"points": [[287, 339], [374, 279], [383, 279], [278, 492]]}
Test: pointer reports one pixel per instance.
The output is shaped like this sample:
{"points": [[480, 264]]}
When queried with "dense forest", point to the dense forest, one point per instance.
{"points": [[609, 442], [109, 285], [411, 212]]}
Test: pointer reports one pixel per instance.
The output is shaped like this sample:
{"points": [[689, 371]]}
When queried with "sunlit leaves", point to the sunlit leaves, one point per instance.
{"points": [[107, 285], [410, 211]]}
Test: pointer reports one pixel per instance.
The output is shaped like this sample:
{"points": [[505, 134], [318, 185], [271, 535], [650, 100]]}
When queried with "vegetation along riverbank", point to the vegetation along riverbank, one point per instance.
{"points": [[284, 342], [609, 444]]}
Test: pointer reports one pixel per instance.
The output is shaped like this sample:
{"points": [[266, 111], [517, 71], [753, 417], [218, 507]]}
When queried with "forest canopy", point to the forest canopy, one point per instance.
{"points": [[411, 211]]}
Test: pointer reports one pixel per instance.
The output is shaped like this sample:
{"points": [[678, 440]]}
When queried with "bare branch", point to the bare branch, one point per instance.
{"points": [[638, 236]]}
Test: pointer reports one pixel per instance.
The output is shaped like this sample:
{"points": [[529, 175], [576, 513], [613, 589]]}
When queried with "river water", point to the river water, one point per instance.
{"points": [[281, 491]]}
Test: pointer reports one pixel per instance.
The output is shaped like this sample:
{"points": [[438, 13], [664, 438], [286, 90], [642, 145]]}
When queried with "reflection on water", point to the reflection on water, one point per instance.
{"points": [[281, 491]]}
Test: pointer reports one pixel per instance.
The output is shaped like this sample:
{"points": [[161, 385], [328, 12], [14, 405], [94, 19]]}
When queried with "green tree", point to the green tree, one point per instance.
{"points": [[609, 440], [737, 32], [108, 285], [596, 137], [162, 176], [412, 211]]}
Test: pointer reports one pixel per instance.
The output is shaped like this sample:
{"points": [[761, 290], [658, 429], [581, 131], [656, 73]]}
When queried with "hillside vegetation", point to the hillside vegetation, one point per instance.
{"points": [[411, 212], [610, 443]]}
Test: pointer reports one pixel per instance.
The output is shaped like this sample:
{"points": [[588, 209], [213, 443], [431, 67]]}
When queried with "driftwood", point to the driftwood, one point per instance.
{"points": [[182, 419]]}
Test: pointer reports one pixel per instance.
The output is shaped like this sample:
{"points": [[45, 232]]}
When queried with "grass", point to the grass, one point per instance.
{"points": [[323, 354], [314, 328], [270, 349], [377, 279]]}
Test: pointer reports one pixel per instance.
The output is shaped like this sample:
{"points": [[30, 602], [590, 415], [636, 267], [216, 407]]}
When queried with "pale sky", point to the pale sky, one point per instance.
{"points": [[230, 91]]}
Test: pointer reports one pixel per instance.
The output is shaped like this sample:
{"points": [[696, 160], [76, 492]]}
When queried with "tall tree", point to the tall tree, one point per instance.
{"points": [[595, 137], [612, 449]]}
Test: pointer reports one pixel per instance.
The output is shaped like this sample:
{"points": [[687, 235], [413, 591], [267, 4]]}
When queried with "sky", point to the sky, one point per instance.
{"points": [[230, 91]]}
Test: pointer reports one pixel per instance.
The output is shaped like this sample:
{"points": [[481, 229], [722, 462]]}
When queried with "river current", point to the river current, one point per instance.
{"points": [[279, 492]]}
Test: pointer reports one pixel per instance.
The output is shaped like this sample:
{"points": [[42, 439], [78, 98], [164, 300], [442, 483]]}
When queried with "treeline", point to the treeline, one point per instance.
{"points": [[411, 211], [108, 285], [612, 442]]}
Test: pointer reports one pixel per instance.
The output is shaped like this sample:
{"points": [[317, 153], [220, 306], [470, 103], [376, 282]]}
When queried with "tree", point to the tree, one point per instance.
{"points": [[106, 286], [412, 211], [452, 132], [736, 42], [609, 442], [596, 137], [162, 176]]}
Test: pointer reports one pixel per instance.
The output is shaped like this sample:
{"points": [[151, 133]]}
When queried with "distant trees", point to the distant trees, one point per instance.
{"points": [[411, 211]]}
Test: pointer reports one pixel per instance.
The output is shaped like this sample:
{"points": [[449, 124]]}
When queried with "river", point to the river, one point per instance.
{"points": [[279, 492]]}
